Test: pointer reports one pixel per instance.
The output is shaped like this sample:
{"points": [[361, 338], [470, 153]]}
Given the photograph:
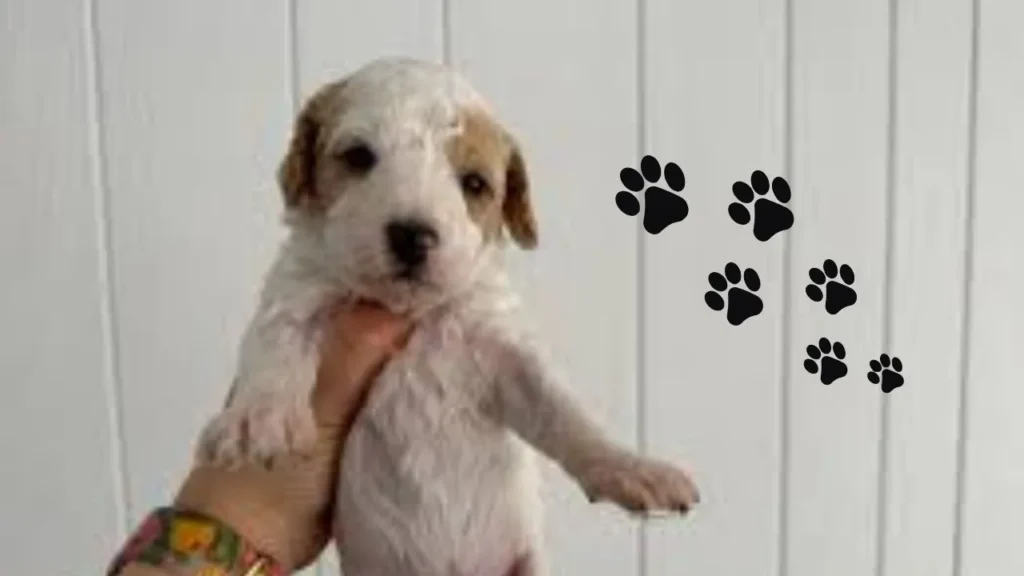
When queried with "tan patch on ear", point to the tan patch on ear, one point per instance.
{"points": [[483, 148], [518, 208], [297, 172]]}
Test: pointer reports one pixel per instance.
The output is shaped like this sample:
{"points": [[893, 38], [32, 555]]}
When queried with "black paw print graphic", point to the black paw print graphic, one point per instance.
{"points": [[662, 208], [890, 378], [740, 304], [830, 357], [770, 217], [837, 293]]}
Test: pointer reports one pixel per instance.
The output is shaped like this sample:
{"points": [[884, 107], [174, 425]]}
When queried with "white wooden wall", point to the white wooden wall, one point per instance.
{"points": [[138, 142]]}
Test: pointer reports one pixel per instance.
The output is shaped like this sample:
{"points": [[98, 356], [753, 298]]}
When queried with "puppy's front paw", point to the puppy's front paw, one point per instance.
{"points": [[639, 484], [258, 430]]}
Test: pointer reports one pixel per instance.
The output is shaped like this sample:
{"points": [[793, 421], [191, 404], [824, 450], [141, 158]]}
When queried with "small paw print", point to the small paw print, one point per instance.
{"points": [[740, 303], [770, 217], [890, 378], [837, 293], [830, 357], [663, 208]]}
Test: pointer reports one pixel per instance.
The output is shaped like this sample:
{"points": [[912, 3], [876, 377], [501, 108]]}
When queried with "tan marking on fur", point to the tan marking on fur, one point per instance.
{"points": [[518, 207], [298, 173], [485, 148]]}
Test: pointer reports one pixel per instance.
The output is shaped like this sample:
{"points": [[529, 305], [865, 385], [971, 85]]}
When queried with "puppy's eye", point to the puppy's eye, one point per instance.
{"points": [[358, 158], [474, 184]]}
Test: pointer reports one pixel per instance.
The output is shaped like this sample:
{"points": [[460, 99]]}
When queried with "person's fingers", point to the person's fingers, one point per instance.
{"points": [[371, 329], [360, 341]]}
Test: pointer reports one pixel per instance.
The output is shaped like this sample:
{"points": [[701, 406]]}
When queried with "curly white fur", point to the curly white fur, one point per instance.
{"points": [[436, 478]]}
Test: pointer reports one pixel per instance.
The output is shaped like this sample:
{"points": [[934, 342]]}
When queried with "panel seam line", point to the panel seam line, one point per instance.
{"points": [[967, 289], [641, 271], [109, 326], [785, 432], [882, 480]]}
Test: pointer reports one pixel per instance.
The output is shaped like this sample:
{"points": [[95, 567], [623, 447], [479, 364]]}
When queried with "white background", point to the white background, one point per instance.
{"points": [[138, 144]]}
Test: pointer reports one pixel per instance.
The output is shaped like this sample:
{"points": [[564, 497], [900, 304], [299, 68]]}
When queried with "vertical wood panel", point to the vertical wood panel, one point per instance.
{"points": [[931, 149], [196, 108], [840, 112], [716, 94], [562, 76], [333, 39], [59, 473], [993, 506]]}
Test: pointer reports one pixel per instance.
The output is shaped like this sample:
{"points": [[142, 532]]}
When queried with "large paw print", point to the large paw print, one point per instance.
{"points": [[770, 216], [740, 304], [662, 208], [830, 357], [890, 378], [837, 293]]}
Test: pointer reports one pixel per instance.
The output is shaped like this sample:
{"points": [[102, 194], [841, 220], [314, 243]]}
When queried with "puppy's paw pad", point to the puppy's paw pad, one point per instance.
{"points": [[640, 485], [257, 432]]}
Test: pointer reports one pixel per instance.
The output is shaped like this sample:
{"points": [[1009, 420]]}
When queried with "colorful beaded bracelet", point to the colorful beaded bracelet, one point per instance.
{"points": [[192, 543]]}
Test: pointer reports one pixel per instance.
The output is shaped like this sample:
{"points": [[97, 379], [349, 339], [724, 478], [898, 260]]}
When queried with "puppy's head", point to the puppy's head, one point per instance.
{"points": [[406, 180]]}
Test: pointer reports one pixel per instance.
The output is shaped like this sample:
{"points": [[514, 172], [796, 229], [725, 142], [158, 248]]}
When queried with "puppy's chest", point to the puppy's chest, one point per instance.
{"points": [[428, 480], [425, 410]]}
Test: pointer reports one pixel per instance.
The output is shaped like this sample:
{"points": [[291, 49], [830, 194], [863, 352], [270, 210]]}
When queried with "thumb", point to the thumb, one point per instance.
{"points": [[358, 344]]}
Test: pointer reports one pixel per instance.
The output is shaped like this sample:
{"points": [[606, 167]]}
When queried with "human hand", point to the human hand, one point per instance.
{"points": [[286, 510]]}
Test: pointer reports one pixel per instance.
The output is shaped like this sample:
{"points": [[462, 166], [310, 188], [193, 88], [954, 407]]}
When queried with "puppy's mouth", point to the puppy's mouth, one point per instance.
{"points": [[402, 289], [420, 287]]}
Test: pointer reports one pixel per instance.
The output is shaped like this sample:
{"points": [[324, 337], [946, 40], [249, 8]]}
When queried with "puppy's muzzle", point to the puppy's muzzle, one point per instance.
{"points": [[410, 243]]}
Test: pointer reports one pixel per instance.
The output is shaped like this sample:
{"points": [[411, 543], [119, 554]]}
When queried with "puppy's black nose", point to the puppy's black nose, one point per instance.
{"points": [[410, 241]]}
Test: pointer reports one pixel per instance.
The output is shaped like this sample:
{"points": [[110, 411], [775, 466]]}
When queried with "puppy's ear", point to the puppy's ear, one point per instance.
{"points": [[517, 208], [297, 172]]}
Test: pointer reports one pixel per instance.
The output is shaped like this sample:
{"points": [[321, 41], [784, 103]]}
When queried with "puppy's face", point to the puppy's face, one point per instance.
{"points": [[407, 181]]}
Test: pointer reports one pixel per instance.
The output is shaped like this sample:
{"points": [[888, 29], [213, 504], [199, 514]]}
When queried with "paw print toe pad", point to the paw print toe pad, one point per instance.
{"points": [[628, 203], [631, 179]]}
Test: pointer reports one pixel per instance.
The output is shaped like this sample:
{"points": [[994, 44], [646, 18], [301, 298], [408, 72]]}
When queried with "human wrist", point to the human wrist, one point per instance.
{"points": [[253, 520], [136, 569], [176, 542]]}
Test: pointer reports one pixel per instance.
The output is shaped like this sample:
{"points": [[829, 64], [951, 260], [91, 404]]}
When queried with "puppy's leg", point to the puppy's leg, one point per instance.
{"points": [[268, 413], [527, 398]]}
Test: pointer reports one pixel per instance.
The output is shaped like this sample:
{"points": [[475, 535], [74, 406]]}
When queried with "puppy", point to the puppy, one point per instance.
{"points": [[401, 187]]}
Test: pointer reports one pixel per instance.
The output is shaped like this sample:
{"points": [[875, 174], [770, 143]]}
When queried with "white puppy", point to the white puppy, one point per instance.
{"points": [[400, 186]]}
